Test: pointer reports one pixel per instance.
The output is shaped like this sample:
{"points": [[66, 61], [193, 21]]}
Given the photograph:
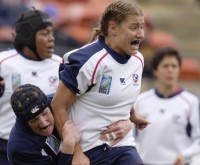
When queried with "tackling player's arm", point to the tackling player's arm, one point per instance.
{"points": [[63, 98]]}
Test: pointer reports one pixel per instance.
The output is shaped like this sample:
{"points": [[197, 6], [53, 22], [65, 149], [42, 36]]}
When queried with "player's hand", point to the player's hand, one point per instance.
{"points": [[70, 135], [179, 160], [116, 131], [140, 121]]}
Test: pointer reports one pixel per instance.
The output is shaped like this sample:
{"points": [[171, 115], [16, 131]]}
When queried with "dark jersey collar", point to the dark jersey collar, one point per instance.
{"points": [[122, 59], [178, 91], [25, 56]]}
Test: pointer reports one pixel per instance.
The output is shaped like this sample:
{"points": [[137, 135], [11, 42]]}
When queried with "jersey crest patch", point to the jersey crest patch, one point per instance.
{"points": [[53, 143], [16, 80], [176, 119], [135, 79], [105, 84], [53, 79]]}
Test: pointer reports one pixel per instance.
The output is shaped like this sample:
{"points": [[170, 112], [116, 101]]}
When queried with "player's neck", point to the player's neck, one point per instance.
{"points": [[166, 90], [29, 53]]}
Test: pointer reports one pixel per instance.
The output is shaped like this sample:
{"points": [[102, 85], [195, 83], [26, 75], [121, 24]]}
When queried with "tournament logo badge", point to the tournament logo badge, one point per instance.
{"points": [[105, 84], [53, 144], [16, 80]]}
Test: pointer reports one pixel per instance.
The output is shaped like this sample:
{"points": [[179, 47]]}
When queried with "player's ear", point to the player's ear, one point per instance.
{"points": [[155, 72], [112, 28]]}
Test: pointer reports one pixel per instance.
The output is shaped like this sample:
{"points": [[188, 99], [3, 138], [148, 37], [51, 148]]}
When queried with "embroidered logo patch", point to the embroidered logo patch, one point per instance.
{"points": [[135, 78], [105, 84], [176, 119], [53, 79], [53, 143]]}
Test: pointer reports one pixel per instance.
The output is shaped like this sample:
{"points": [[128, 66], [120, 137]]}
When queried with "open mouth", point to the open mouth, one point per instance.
{"points": [[135, 42], [45, 128], [50, 49]]}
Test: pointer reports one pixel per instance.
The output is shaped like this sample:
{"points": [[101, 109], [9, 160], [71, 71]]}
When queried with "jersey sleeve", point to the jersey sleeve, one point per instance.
{"points": [[6, 55], [20, 158], [194, 121], [76, 72], [65, 159]]}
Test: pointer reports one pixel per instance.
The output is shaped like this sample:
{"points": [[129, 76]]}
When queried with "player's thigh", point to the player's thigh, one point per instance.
{"points": [[129, 156], [3, 152]]}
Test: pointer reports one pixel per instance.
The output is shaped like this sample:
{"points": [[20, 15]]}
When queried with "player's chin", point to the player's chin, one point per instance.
{"points": [[49, 133], [47, 55], [134, 52]]}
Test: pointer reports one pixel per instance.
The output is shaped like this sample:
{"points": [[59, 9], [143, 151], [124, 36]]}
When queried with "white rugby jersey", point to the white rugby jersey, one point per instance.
{"points": [[17, 70], [107, 85], [174, 127]]}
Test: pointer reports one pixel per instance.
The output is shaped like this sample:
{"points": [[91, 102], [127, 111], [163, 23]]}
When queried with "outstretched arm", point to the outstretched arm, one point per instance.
{"points": [[63, 98], [70, 135]]}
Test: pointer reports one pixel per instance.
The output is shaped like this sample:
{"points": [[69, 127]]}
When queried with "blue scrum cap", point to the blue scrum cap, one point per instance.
{"points": [[28, 101]]}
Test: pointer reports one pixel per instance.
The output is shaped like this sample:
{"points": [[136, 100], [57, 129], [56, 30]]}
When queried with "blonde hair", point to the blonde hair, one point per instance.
{"points": [[117, 11]]}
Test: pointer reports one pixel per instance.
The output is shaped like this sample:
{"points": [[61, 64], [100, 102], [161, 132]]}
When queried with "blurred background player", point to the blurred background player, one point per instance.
{"points": [[9, 11], [32, 61], [173, 137], [33, 139]]}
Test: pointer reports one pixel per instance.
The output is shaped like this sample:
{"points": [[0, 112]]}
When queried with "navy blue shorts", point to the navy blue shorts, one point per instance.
{"points": [[106, 155], [3, 152]]}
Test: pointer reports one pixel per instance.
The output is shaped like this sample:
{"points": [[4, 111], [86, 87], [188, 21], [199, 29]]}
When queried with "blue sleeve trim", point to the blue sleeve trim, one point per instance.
{"points": [[69, 71], [65, 159]]}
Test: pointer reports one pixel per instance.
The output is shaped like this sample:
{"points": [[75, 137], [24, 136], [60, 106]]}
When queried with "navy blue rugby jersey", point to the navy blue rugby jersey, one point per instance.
{"points": [[26, 147]]}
